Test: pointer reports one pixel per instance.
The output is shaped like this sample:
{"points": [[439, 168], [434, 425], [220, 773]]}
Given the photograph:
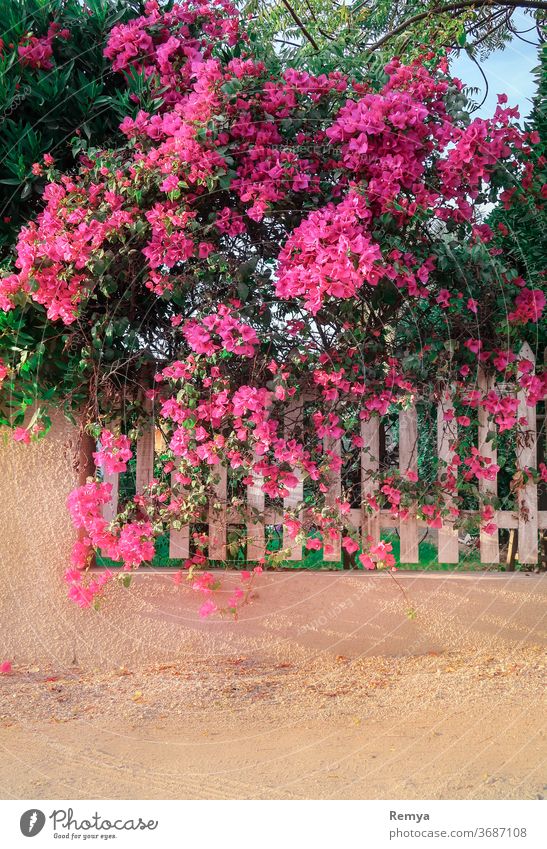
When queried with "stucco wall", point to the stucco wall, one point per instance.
{"points": [[292, 614]]}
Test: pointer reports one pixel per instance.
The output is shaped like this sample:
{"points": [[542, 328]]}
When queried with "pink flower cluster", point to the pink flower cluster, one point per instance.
{"points": [[114, 453], [37, 52], [233, 335], [132, 543]]}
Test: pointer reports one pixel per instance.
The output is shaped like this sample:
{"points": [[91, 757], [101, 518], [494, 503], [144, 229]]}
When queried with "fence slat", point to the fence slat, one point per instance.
{"points": [[447, 432], [334, 551], [110, 510], [217, 517], [179, 538], [370, 463], [489, 543], [408, 461], [145, 459], [147, 442], [179, 543], [256, 542], [293, 423], [527, 458]]}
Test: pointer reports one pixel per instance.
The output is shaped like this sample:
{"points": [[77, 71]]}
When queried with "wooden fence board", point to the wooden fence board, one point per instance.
{"points": [[145, 460], [293, 425], [333, 552], [408, 462], [527, 458], [256, 540], [370, 463], [179, 538], [217, 516], [447, 432], [489, 543], [110, 510]]}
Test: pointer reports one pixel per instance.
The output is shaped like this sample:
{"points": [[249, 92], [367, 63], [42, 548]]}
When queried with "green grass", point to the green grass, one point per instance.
{"points": [[313, 560]]}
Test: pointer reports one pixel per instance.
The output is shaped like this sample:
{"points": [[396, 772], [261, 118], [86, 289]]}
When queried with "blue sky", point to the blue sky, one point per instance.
{"points": [[508, 70]]}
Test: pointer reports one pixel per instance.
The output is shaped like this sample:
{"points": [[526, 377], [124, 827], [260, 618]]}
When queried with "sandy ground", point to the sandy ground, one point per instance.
{"points": [[465, 724]]}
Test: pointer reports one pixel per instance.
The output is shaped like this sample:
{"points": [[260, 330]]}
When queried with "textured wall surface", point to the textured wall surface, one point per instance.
{"points": [[292, 614]]}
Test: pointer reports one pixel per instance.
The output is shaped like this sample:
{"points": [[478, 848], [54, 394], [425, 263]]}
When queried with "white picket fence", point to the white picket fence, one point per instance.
{"points": [[527, 519]]}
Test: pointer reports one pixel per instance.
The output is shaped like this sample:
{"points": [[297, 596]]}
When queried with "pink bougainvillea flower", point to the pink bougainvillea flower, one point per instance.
{"points": [[21, 434], [207, 609], [114, 453]]}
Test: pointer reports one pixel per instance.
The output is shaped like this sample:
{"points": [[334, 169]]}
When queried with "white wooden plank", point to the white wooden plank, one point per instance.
{"points": [[489, 543], [293, 423], [179, 538], [333, 552], [145, 460], [110, 510], [527, 458], [370, 463], [217, 515], [179, 543], [408, 461], [256, 540], [447, 432]]}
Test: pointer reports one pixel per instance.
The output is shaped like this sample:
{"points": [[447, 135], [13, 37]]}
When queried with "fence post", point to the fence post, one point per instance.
{"points": [[293, 423], [408, 454], [489, 543], [526, 458], [447, 433], [370, 464]]}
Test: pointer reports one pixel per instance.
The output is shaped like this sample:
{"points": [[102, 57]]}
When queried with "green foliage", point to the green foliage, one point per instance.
{"points": [[353, 35], [525, 241], [56, 111], [42, 109]]}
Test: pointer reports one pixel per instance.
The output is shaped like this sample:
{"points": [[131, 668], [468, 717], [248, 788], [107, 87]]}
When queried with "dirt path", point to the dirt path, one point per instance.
{"points": [[453, 725]]}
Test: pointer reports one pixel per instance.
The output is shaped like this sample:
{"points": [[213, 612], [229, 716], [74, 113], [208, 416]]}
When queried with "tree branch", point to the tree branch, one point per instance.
{"points": [[457, 7], [302, 27]]}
